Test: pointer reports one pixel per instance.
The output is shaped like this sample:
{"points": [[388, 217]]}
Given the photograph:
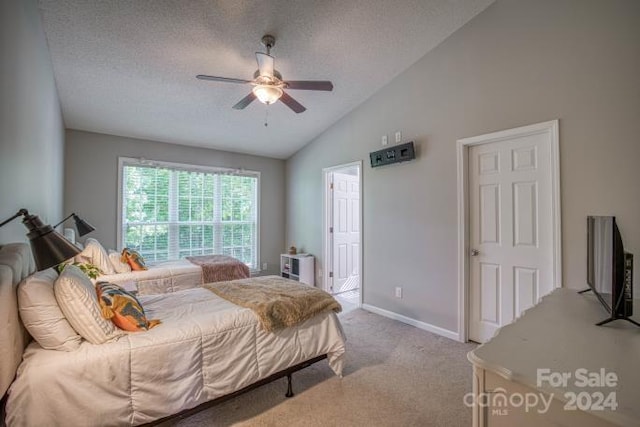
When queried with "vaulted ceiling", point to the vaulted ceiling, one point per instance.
{"points": [[128, 67]]}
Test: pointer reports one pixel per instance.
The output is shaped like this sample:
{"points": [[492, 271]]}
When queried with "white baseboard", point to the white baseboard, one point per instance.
{"points": [[413, 322]]}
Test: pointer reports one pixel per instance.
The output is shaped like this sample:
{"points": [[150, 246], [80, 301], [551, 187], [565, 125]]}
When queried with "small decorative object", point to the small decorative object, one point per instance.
{"points": [[293, 250], [70, 235], [397, 154]]}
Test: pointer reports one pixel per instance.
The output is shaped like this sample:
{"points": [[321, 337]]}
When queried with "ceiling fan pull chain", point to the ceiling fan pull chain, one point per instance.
{"points": [[266, 115]]}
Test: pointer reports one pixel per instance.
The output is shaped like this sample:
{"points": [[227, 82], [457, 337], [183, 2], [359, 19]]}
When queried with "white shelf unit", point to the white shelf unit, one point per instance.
{"points": [[298, 267]]}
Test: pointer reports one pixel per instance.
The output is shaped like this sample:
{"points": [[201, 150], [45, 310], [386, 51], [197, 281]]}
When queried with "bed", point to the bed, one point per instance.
{"points": [[165, 276], [205, 349]]}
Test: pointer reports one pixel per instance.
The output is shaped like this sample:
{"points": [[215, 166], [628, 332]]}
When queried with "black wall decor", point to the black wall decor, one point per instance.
{"points": [[395, 154]]}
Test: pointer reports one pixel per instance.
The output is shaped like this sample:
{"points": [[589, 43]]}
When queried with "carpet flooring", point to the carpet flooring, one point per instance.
{"points": [[395, 375], [349, 300]]}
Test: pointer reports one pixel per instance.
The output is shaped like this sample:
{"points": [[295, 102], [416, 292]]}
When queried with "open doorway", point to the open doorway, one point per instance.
{"points": [[342, 271]]}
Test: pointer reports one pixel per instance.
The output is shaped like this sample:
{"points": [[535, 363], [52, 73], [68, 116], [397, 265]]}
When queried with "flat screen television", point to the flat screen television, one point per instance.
{"points": [[609, 267]]}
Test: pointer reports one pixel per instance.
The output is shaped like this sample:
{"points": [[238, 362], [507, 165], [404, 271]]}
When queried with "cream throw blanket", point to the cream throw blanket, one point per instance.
{"points": [[278, 302]]}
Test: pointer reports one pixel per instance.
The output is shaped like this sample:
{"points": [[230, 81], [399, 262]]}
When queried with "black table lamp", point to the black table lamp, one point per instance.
{"points": [[49, 248], [82, 226]]}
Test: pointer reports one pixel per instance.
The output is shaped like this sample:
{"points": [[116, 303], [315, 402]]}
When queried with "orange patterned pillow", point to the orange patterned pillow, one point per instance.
{"points": [[133, 258], [122, 308]]}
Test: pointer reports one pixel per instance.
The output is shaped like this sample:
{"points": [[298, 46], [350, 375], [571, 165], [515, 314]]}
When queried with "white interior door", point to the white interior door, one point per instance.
{"points": [[510, 230], [346, 232]]}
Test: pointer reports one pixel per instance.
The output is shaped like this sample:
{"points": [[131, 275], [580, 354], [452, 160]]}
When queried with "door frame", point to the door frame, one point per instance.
{"points": [[463, 145], [327, 212]]}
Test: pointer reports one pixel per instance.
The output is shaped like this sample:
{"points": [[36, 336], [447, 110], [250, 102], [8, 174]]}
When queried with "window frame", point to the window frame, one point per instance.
{"points": [[133, 161]]}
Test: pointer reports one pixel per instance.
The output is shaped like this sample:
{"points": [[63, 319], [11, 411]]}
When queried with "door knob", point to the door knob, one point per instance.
{"points": [[475, 252]]}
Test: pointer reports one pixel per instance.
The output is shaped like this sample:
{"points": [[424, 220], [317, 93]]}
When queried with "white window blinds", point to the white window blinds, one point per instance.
{"points": [[171, 211]]}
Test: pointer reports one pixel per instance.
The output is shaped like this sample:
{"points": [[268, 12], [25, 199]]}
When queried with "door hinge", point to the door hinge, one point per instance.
{"points": [[331, 275], [330, 229], [331, 186]]}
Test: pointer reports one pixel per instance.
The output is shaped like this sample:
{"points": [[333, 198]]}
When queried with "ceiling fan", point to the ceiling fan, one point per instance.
{"points": [[268, 84]]}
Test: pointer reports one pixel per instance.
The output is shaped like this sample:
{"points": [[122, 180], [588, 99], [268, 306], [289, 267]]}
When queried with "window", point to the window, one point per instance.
{"points": [[170, 211]]}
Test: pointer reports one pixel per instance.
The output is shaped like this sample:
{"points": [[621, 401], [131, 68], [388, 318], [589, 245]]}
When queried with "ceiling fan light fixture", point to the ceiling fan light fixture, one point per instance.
{"points": [[267, 94], [268, 83]]}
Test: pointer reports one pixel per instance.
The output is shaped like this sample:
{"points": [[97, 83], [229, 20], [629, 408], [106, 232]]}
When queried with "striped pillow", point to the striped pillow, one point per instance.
{"points": [[78, 301], [94, 253], [124, 309], [41, 315]]}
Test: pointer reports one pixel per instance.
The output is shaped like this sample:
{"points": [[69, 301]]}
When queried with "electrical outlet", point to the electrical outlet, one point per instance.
{"points": [[398, 292], [264, 266], [398, 137], [385, 141], [319, 273]]}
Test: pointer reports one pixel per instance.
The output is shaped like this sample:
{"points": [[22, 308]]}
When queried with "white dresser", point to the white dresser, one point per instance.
{"points": [[557, 358]]}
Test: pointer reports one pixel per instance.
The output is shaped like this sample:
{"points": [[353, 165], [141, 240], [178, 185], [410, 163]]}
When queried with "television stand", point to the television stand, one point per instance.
{"points": [[611, 319]]}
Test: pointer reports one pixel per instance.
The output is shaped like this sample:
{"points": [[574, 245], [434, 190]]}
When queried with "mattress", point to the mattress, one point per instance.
{"points": [[168, 276], [205, 348]]}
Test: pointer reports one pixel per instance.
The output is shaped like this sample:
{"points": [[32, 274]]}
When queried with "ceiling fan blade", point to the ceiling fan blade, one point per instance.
{"points": [[221, 79], [310, 85], [242, 104], [265, 64], [292, 103]]}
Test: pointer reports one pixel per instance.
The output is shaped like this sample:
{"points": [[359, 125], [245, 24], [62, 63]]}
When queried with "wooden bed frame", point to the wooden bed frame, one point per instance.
{"points": [[16, 263]]}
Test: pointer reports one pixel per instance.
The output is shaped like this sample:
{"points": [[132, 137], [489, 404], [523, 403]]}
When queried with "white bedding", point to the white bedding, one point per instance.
{"points": [[168, 276], [205, 348]]}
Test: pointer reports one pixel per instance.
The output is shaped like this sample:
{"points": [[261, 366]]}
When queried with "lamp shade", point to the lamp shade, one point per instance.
{"points": [[49, 248], [82, 226], [267, 94]]}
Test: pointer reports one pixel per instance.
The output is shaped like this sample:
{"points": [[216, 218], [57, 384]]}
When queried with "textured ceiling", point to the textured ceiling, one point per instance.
{"points": [[128, 67]]}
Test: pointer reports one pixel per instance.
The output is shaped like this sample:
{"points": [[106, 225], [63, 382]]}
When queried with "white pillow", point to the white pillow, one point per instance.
{"points": [[95, 254], [118, 266], [77, 299], [41, 314]]}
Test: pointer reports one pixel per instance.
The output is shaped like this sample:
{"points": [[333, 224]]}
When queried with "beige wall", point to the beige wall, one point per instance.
{"points": [[31, 127], [519, 62], [91, 181]]}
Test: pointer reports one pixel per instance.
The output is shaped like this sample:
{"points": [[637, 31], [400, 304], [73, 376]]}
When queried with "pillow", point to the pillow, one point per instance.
{"points": [[41, 314], [124, 309], [89, 269], [134, 259], [94, 253], [77, 299], [118, 265]]}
